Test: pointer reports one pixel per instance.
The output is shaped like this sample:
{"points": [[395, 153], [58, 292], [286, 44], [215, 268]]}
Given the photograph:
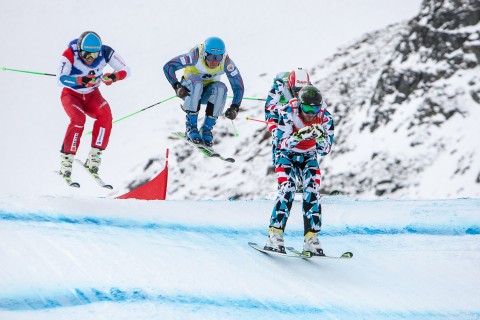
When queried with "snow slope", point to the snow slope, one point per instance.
{"points": [[97, 258]]}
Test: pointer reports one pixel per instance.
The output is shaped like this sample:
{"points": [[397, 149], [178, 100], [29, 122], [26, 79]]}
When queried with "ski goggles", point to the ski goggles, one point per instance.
{"points": [[86, 55], [213, 57], [307, 109]]}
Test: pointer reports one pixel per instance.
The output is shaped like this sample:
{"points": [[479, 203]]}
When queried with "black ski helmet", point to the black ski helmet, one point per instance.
{"points": [[310, 95]]}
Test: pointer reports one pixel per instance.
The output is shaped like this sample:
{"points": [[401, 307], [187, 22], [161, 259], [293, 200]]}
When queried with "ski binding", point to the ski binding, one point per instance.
{"points": [[95, 176], [68, 180]]}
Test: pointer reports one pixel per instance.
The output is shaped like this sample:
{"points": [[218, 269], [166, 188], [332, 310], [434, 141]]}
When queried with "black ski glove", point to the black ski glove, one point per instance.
{"points": [[232, 111], [181, 91]]}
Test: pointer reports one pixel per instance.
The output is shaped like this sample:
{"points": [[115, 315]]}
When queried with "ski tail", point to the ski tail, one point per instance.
{"points": [[207, 151], [96, 177], [68, 180]]}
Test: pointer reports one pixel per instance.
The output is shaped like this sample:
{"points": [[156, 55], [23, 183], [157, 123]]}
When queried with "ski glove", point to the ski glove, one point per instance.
{"points": [[320, 132], [87, 81], [306, 133], [278, 86], [181, 91], [109, 78], [232, 111]]}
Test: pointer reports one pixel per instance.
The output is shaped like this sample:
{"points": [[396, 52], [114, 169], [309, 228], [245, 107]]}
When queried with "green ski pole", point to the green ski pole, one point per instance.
{"points": [[31, 72], [256, 99], [141, 110]]}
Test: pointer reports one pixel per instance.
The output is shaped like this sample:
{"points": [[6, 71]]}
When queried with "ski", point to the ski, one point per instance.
{"points": [[308, 255], [334, 193], [207, 151], [321, 194], [95, 176], [275, 253], [293, 253], [68, 180]]}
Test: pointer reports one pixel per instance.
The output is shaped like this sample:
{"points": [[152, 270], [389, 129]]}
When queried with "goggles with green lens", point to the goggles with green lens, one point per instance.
{"points": [[307, 109], [86, 55]]}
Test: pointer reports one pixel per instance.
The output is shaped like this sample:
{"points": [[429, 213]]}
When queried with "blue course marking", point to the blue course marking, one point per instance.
{"points": [[79, 297], [423, 229]]}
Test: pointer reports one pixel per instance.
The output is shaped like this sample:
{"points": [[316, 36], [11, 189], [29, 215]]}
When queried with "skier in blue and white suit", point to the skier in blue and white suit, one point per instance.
{"points": [[200, 84]]}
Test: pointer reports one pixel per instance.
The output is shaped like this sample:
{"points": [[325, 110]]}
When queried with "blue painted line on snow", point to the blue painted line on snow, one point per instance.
{"points": [[79, 297], [423, 229]]}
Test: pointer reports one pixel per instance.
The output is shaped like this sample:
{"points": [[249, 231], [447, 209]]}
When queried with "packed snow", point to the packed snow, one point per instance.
{"points": [[98, 258]]}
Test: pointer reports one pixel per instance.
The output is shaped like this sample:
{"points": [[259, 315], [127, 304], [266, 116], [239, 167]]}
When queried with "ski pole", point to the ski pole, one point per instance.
{"points": [[54, 75], [256, 99], [31, 72], [234, 129], [258, 120], [134, 113]]}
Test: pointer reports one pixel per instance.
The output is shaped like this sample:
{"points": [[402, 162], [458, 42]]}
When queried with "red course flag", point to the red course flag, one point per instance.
{"points": [[155, 189]]}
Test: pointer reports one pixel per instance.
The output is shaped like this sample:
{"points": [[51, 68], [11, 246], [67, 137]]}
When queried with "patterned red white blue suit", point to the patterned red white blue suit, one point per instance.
{"points": [[298, 159]]}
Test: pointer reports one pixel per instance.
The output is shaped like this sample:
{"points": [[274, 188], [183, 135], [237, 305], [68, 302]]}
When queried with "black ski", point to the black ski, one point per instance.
{"points": [[207, 151], [95, 176]]}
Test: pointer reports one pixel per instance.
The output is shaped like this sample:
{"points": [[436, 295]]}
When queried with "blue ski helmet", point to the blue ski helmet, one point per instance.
{"points": [[214, 45], [89, 41]]}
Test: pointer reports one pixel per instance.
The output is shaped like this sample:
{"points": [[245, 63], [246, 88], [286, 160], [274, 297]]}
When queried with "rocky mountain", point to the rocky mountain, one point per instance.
{"points": [[405, 99], [406, 106]]}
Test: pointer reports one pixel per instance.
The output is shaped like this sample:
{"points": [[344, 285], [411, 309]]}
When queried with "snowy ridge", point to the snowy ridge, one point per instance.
{"points": [[78, 257]]}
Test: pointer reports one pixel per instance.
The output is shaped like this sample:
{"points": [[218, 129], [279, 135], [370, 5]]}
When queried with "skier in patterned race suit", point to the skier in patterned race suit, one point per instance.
{"points": [[80, 73], [305, 130], [201, 84]]}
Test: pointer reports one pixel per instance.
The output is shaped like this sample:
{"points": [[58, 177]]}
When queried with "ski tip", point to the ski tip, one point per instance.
{"points": [[231, 160], [346, 255], [108, 186], [75, 184]]}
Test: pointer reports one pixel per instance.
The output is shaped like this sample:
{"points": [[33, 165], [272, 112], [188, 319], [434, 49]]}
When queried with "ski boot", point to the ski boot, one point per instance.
{"points": [[312, 244], [275, 241], [94, 160], [191, 132], [207, 127], [66, 164]]}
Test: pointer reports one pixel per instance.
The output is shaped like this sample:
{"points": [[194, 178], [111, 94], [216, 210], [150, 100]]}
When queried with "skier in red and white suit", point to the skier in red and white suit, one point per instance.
{"points": [[80, 73]]}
